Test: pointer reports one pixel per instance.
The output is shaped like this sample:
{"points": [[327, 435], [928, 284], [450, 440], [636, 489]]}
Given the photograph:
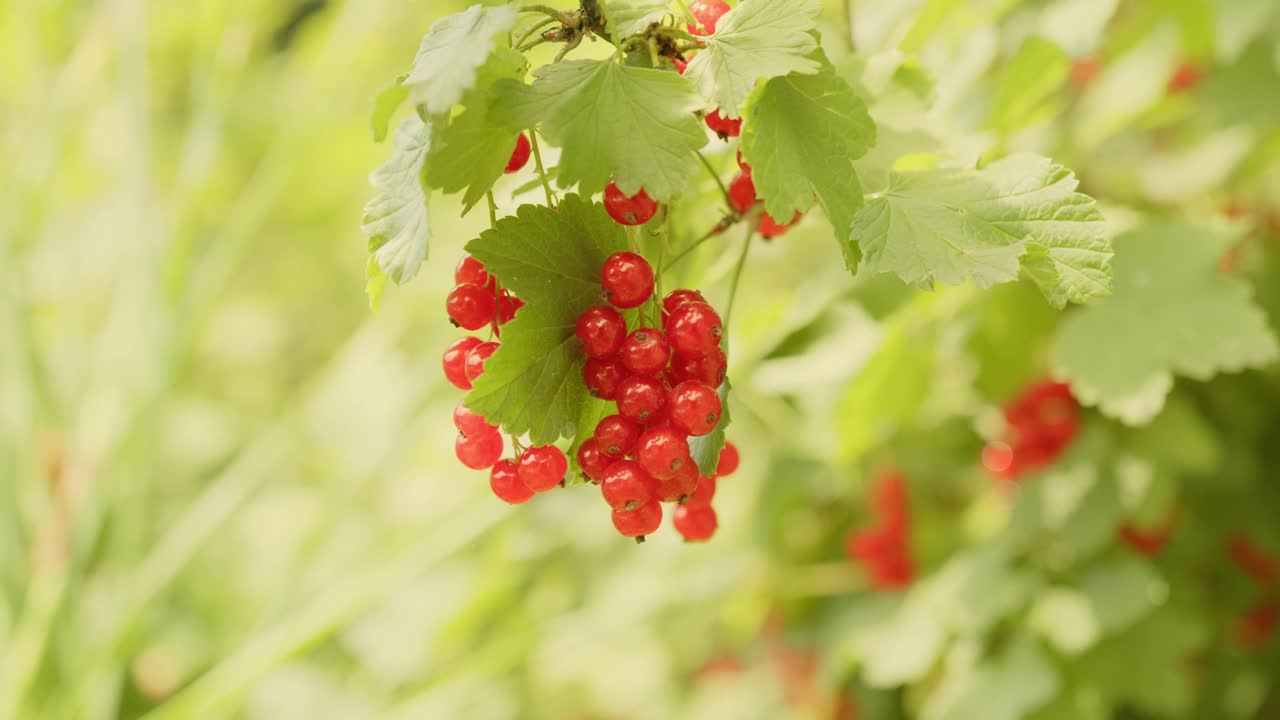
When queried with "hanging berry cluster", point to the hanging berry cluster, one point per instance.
{"points": [[884, 550], [663, 382], [1041, 422]]}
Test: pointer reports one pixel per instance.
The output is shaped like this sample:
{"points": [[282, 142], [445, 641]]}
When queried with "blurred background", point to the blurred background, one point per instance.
{"points": [[227, 489]]}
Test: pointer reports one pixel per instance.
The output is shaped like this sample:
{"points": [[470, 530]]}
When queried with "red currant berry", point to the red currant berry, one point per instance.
{"points": [[709, 368], [469, 422], [679, 64], [695, 523], [679, 486], [602, 377], [478, 451], [723, 126], [707, 13], [592, 461], [626, 485], [519, 156], [637, 523], [455, 361], [633, 210], [641, 398], [616, 435], [694, 408], [508, 304], [742, 164], [601, 330], [770, 228], [476, 359], [645, 351], [676, 298], [729, 459], [703, 494], [694, 329], [505, 482], [543, 468], [742, 192], [663, 451], [627, 279], [471, 270], [471, 307]]}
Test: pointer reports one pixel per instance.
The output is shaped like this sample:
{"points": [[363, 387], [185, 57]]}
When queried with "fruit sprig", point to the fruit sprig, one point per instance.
{"points": [[884, 549], [1040, 423]]}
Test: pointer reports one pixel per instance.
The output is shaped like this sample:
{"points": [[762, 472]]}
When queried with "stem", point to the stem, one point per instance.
{"points": [[847, 16], [737, 274], [537, 163], [725, 223], [493, 209], [532, 44], [714, 176], [559, 16], [533, 29], [684, 7]]}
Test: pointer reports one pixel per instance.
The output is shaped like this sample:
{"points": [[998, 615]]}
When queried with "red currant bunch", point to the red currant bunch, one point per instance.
{"points": [[663, 381], [1041, 422], [883, 550]]}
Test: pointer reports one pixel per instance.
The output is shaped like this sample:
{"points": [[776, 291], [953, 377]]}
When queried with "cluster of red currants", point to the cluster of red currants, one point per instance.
{"points": [[1041, 422], [883, 550], [1149, 541], [1256, 625], [663, 382]]}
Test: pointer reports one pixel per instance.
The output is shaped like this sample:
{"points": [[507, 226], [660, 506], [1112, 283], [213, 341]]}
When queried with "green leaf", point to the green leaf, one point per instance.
{"points": [[551, 259], [801, 136], [385, 104], [1128, 86], [1122, 589], [887, 392], [1146, 665], [953, 225], [1172, 313], [1005, 687], [1064, 617], [1035, 72], [396, 220], [757, 39], [705, 449], [375, 283], [902, 647], [473, 150], [630, 18], [633, 125], [452, 51]]}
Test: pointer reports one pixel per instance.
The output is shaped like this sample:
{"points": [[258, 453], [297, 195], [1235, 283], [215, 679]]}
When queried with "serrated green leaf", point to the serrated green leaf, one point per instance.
{"points": [[375, 283], [633, 125], [396, 219], [470, 153], [1035, 72], [758, 39], [551, 259], [452, 51], [1172, 313], [705, 449], [385, 104], [801, 135], [955, 225], [635, 16]]}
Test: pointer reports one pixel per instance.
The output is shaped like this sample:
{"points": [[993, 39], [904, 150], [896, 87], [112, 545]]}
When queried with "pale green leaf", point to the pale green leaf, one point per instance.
{"points": [[630, 17], [1033, 73], [705, 449], [396, 220], [955, 225], [1146, 665], [1128, 86], [757, 39], [452, 51], [385, 104], [801, 136], [1172, 313], [551, 259], [1122, 589], [375, 283], [1005, 687], [902, 647], [633, 125], [1064, 617]]}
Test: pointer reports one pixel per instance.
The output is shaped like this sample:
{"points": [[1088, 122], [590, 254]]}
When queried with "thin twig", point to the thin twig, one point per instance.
{"points": [[719, 183], [552, 200], [533, 29], [847, 35], [737, 274], [725, 223]]}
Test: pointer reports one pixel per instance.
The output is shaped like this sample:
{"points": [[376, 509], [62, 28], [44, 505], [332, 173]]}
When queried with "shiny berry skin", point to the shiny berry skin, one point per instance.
{"points": [[616, 436], [592, 461], [723, 126], [679, 486], [508, 304], [645, 351], [676, 298], [476, 359], [703, 494], [601, 330], [742, 192], [679, 64], [729, 460], [471, 270], [626, 485], [471, 307], [469, 422], [709, 368], [694, 329], [455, 361], [519, 156], [707, 13], [627, 279], [770, 228], [637, 523], [543, 468], [696, 523], [663, 451], [602, 377], [478, 451], [641, 398], [694, 408], [505, 482], [634, 210]]}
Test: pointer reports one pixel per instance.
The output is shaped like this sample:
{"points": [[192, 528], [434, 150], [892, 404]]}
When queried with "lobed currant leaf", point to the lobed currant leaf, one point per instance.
{"points": [[630, 17], [758, 39], [632, 124], [385, 104], [452, 51], [396, 220]]}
